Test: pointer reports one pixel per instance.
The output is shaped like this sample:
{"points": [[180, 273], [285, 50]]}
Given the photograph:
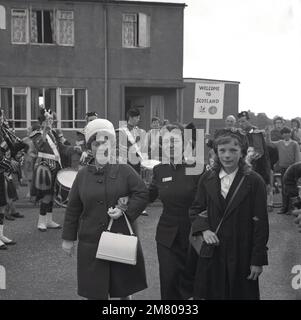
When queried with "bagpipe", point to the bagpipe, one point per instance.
{"points": [[16, 146]]}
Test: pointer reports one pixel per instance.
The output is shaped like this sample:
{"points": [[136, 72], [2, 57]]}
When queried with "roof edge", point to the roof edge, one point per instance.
{"points": [[188, 80]]}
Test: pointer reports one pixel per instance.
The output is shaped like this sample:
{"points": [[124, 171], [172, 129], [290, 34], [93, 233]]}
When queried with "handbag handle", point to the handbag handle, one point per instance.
{"points": [[127, 222]]}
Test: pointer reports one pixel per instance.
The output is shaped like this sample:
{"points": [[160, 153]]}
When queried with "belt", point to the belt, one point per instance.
{"points": [[47, 156]]}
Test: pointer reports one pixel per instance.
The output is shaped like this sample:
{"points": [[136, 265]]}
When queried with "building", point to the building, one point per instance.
{"points": [[78, 56]]}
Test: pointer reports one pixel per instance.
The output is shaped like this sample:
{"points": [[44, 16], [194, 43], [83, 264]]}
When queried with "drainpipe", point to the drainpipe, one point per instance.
{"points": [[106, 58]]}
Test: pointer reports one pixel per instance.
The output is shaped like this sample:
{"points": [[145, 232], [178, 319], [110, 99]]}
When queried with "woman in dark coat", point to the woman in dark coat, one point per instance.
{"points": [[97, 188], [176, 188], [240, 245]]}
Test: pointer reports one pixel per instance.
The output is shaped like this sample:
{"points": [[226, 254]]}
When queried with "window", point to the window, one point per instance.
{"points": [[135, 30], [41, 26], [2, 18], [39, 97], [6, 102], [73, 107], [21, 105], [45, 27], [65, 28], [19, 26], [13, 101]]}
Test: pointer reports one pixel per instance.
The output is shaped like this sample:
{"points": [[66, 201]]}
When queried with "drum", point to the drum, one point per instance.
{"points": [[63, 184], [147, 170]]}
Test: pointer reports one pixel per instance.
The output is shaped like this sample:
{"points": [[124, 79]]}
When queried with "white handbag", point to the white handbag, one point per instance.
{"points": [[118, 247]]}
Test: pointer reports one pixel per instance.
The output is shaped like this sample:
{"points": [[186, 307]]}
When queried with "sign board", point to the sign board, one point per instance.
{"points": [[209, 100]]}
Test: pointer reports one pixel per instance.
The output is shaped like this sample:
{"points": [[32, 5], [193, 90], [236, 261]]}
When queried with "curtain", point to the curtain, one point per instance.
{"points": [[67, 111], [20, 111], [66, 27], [19, 28], [50, 99], [33, 27], [80, 107], [48, 26], [129, 28], [35, 93]]}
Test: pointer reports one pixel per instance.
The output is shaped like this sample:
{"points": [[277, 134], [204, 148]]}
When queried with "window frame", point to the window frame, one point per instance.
{"points": [[59, 120], [54, 27], [137, 31], [57, 18], [26, 26], [59, 108]]}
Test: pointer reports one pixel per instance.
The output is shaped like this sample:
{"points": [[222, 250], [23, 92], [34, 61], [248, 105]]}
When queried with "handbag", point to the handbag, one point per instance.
{"points": [[118, 247], [203, 249]]}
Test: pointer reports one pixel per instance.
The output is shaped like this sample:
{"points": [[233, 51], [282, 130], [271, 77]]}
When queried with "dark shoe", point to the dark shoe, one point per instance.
{"points": [[9, 217], [3, 247], [270, 208], [11, 243], [17, 215]]}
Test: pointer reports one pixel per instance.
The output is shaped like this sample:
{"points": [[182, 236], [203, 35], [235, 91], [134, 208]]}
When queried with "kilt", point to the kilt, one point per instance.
{"points": [[44, 175]]}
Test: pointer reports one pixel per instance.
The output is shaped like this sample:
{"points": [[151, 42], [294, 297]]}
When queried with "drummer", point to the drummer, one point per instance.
{"points": [[176, 190], [46, 167]]}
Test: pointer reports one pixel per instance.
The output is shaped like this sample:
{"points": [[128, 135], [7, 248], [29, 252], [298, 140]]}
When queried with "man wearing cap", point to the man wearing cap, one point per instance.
{"points": [[258, 155]]}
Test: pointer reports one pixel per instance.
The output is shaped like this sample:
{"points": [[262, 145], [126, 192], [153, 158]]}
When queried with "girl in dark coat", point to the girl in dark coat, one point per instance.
{"points": [[240, 245], [96, 189]]}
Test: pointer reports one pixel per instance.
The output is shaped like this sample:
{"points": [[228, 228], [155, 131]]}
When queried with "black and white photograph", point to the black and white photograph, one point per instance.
{"points": [[150, 151]]}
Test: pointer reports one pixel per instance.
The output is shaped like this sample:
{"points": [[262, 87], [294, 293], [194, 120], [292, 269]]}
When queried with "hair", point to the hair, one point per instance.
{"points": [[227, 138], [42, 117], [277, 118], [296, 121], [285, 130], [132, 112], [91, 114], [243, 114], [155, 119]]}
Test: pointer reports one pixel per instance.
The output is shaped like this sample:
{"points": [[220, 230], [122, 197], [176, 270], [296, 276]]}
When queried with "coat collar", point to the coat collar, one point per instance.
{"points": [[212, 186], [111, 170]]}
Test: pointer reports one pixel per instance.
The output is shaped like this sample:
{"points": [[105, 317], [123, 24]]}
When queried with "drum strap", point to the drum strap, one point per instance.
{"points": [[54, 149], [133, 142]]}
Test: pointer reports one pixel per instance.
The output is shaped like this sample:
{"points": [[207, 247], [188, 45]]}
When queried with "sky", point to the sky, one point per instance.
{"points": [[255, 42]]}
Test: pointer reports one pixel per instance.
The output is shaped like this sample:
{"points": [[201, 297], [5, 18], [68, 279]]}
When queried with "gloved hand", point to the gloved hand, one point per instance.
{"points": [[83, 156], [115, 213], [68, 247]]}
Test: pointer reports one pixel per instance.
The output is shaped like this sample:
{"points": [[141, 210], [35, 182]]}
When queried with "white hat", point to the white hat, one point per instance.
{"points": [[99, 125]]}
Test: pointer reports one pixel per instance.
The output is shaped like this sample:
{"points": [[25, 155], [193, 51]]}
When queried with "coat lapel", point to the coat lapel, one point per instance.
{"points": [[212, 186], [243, 191]]}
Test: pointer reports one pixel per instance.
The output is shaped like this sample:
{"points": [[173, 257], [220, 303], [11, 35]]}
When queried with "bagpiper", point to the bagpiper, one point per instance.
{"points": [[47, 165]]}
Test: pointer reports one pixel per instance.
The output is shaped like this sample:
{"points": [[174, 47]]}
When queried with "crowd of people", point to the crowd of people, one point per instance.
{"points": [[224, 206]]}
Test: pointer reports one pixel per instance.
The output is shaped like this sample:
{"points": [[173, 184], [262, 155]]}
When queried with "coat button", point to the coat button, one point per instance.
{"points": [[100, 201]]}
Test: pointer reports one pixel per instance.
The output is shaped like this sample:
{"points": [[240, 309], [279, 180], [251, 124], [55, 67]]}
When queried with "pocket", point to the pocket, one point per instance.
{"points": [[207, 250]]}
